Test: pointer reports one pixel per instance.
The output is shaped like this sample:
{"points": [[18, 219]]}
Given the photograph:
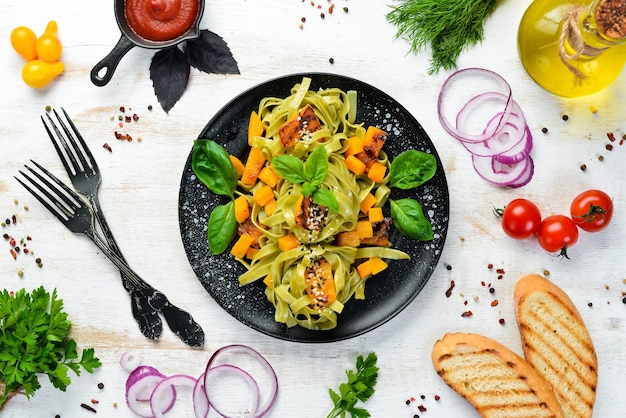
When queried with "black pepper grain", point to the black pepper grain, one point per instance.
{"points": [[492, 290], [100, 385], [544, 130], [624, 300], [331, 60], [565, 118], [583, 167]]}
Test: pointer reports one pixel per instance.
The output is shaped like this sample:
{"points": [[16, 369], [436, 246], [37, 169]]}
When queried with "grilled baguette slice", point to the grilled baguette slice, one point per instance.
{"points": [[497, 381], [557, 344]]}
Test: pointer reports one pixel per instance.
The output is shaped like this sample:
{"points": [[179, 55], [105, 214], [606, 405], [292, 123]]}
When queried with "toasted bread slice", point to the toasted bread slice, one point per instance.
{"points": [[557, 344], [497, 381]]}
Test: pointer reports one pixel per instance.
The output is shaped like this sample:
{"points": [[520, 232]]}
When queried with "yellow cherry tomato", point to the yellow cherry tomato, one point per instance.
{"points": [[48, 46], [38, 73], [24, 41]]}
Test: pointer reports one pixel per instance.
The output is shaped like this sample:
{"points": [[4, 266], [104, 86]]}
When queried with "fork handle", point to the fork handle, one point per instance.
{"points": [[179, 321]]}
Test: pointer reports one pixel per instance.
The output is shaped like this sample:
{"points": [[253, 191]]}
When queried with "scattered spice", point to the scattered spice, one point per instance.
{"points": [[88, 408], [494, 302], [100, 385], [449, 291], [583, 167], [565, 118], [107, 147], [501, 321], [544, 130], [331, 60], [609, 147], [467, 314]]}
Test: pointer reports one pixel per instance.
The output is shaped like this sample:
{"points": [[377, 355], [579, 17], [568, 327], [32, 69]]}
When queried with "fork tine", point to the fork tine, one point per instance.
{"points": [[71, 199], [85, 149], [58, 140], [61, 206], [44, 202]]}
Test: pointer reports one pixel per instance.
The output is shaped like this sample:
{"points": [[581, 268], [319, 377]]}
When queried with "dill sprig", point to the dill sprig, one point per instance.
{"points": [[447, 26]]}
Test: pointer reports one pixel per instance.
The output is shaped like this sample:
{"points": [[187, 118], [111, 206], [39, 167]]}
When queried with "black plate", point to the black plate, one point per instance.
{"points": [[386, 294]]}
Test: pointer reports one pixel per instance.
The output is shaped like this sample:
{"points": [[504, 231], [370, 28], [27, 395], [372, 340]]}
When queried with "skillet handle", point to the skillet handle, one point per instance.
{"points": [[109, 63]]}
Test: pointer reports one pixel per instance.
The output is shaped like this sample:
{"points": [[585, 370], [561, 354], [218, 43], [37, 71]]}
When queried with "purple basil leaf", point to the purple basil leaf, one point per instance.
{"points": [[210, 53], [169, 72]]}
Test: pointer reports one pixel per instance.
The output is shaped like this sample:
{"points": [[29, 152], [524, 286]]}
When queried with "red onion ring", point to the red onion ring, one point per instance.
{"points": [[151, 394], [201, 406], [160, 404], [139, 389], [501, 152], [130, 361], [240, 373], [271, 397]]}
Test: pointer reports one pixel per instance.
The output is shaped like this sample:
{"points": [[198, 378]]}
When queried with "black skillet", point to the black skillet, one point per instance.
{"points": [[103, 71]]}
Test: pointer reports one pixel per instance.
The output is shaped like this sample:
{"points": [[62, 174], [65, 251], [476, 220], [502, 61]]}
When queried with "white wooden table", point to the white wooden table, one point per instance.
{"points": [[140, 198]]}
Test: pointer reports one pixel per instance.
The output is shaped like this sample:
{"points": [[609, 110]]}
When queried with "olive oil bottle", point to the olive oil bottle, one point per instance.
{"points": [[573, 48]]}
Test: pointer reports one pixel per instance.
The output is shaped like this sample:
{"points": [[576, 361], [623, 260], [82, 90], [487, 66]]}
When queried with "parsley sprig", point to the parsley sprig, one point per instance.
{"points": [[34, 340], [359, 387]]}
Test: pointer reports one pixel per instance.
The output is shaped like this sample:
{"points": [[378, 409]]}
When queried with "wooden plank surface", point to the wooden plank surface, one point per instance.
{"points": [[141, 180]]}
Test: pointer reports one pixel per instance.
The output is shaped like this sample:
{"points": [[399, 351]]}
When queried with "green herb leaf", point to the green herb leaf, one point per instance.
{"points": [[316, 166], [222, 227], [34, 340], [359, 387], [325, 197], [290, 168], [409, 219], [211, 164], [446, 26], [411, 169]]}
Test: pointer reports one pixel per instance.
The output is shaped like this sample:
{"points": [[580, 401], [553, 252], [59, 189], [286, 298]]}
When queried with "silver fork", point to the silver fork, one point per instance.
{"points": [[76, 214], [84, 174]]}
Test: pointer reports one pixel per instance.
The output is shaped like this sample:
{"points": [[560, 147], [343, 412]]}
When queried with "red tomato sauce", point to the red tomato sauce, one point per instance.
{"points": [[161, 20]]}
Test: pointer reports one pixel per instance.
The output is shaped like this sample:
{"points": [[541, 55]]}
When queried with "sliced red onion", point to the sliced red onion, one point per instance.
{"points": [[151, 394], [160, 402], [483, 81], [512, 175], [235, 403], [201, 406], [139, 390], [501, 152], [270, 398], [130, 361]]}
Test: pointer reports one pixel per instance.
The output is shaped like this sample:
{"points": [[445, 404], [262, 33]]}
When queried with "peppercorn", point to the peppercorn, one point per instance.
{"points": [[544, 130], [100, 385], [624, 300], [492, 290], [501, 321], [565, 117], [331, 60], [583, 167], [448, 267]]}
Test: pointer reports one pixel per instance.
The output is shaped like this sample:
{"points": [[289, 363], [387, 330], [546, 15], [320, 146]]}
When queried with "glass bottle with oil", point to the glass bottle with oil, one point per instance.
{"points": [[573, 48]]}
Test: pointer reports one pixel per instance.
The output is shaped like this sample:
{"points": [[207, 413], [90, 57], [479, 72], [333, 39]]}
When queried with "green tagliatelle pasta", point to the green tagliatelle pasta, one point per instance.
{"points": [[284, 271]]}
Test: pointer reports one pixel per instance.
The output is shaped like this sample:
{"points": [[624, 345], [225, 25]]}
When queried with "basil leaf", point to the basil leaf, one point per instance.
{"points": [[211, 164], [324, 197], [308, 189], [210, 53], [169, 72], [289, 167], [316, 166], [222, 227], [411, 169], [409, 219]]}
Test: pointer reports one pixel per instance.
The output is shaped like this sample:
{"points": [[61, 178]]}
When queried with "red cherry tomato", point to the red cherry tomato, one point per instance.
{"points": [[557, 233], [592, 210], [521, 219]]}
